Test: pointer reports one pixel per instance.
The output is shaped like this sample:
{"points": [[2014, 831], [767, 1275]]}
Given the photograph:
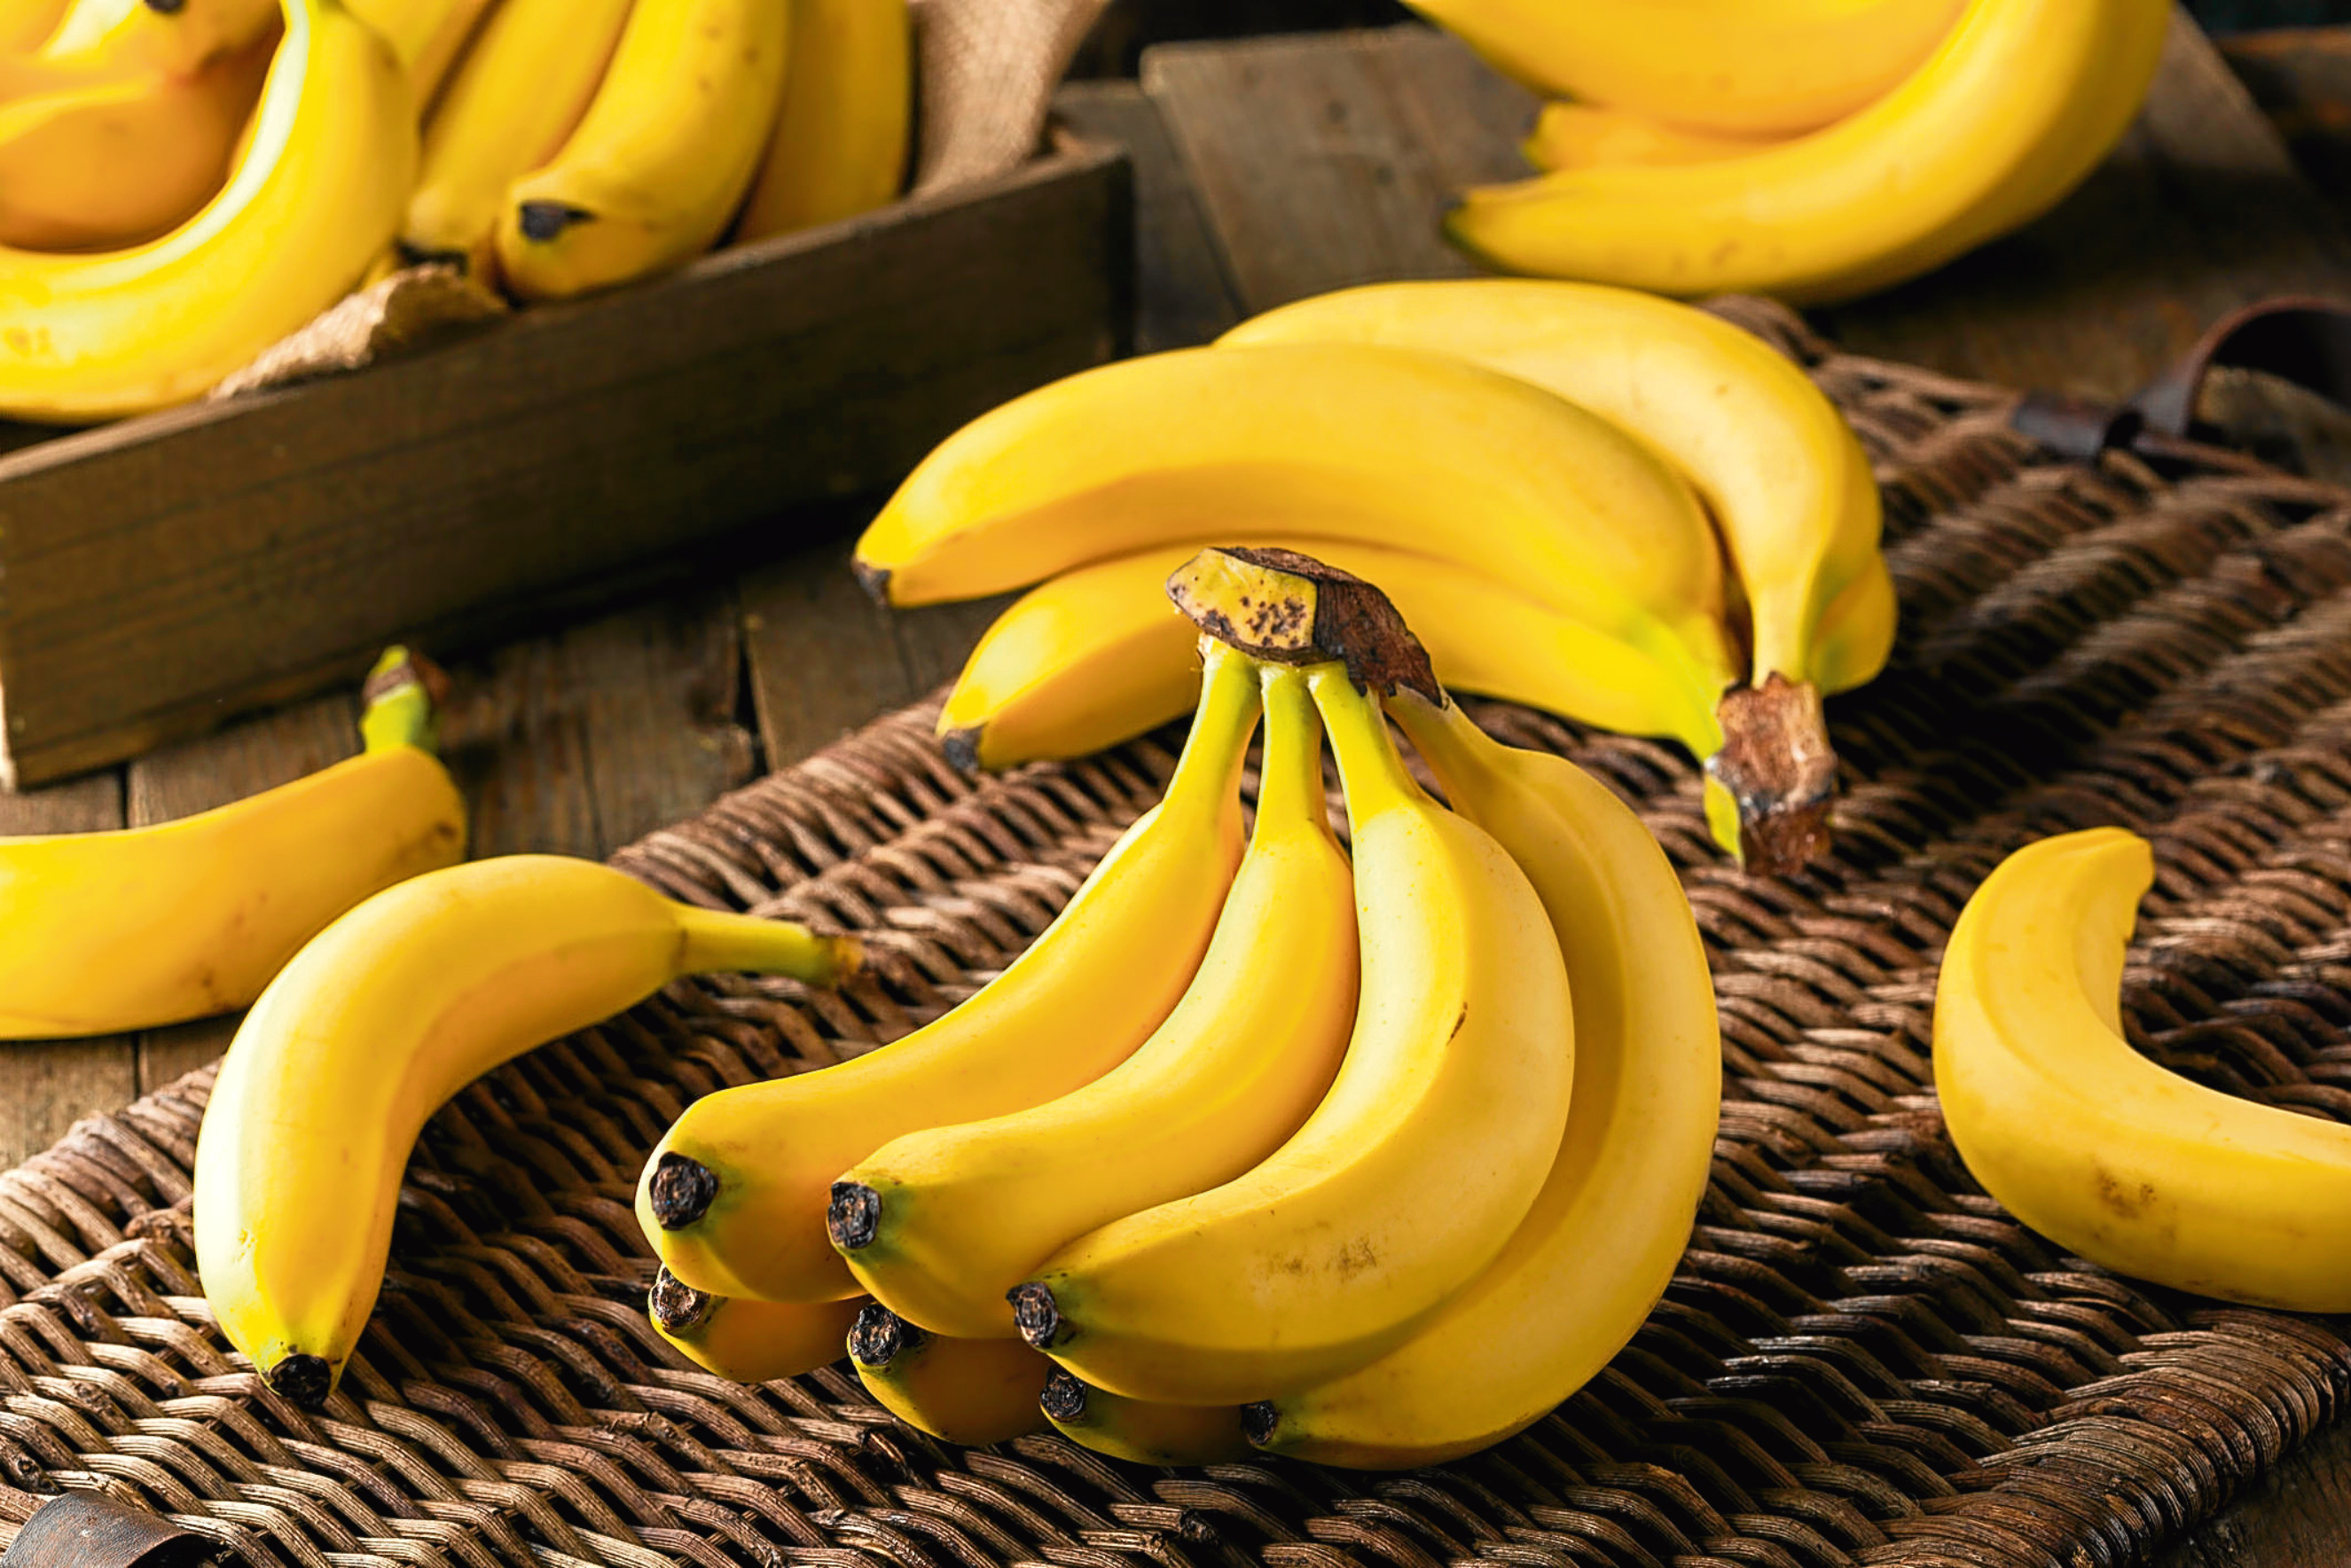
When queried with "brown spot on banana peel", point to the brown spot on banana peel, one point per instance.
{"points": [[1778, 764], [302, 1379], [853, 1217], [2127, 1200], [1038, 1316], [678, 1307], [1288, 608], [681, 1191], [544, 221], [881, 1336]]}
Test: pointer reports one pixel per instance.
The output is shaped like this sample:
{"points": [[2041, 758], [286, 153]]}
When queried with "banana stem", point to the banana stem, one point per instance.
{"points": [[1443, 736], [1369, 767], [712, 941], [1208, 771], [1289, 786], [403, 695]]}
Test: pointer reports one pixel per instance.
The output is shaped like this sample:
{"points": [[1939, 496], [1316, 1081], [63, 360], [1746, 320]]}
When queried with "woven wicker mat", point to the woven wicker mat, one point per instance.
{"points": [[1862, 1360]]}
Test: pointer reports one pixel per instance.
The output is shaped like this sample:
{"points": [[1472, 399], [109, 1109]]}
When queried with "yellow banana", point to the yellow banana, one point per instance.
{"points": [[1142, 1430], [968, 1391], [1409, 450], [383, 1015], [1586, 136], [939, 1224], [24, 24], [733, 1199], [2098, 1148], [426, 35], [747, 1342], [121, 38], [839, 143], [312, 201], [1593, 1254], [1893, 190], [1411, 1175], [112, 931], [1726, 65], [660, 162], [516, 97]]}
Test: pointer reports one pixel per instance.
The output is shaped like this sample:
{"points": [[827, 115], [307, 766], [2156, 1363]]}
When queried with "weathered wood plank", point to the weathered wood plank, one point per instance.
{"points": [[2297, 1516], [823, 656]]}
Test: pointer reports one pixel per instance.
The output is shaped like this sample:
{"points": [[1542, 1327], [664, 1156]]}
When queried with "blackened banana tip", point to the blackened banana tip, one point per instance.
{"points": [[543, 220], [881, 1336], [1037, 1315], [304, 1379], [962, 748], [1258, 1420], [676, 1306], [854, 1217], [1063, 1398], [681, 1191]]}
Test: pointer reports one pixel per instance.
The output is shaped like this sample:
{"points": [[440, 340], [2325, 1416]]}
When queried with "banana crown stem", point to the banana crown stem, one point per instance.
{"points": [[1454, 747], [403, 694], [1209, 769], [1369, 766], [1289, 787], [713, 941]]}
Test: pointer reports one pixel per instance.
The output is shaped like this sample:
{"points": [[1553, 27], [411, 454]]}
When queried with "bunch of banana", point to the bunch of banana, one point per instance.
{"points": [[1815, 149], [2093, 1145], [1591, 499]]}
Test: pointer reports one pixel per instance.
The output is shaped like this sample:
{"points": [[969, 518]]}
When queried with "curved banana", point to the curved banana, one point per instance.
{"points": [[1892, 192], [313, 201], [968, 1391], [2093, 1145], [384, 1015], [659, 164], [102, 933], [1728, 66], [1142, 1430], [747, 1342], [1410, 450], [117, 39], [1411, 1175], [839, 143], [733, 1199], [1585, 135], [516, 97], [939, 1224], [1595, 1251]]}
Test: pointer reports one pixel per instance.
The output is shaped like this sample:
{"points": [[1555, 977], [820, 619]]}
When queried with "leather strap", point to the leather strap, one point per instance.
{"points": [[82, 1530]]}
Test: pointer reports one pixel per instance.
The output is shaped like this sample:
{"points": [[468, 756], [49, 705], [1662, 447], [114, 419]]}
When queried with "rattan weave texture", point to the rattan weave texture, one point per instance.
{"points": [[1862, 1359]]}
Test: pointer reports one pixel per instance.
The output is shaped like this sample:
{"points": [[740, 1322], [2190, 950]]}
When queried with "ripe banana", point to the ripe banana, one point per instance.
{"points": [[968, 1391], [2096, 1146], [515, 100], [747, 1342], [1587, 136], [1595, 1251], [383, 1015], [660, 162], [105, 932], [426, 35], [1410, 450], [941, 1223], [1728, 66], [1894, 190], [733, 1199], [1411, 1175], [24, 24], [839, 143], [1143, 1430], [118, 39], [316, 196]]}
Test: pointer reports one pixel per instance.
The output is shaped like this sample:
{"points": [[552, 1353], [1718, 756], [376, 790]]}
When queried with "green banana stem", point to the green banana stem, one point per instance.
{"points": [[1289, 782], [403, 696], [1369, 767], [714, 941]]}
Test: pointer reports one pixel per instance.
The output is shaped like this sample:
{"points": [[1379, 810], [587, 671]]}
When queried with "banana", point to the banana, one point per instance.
{"points": [[514, 101], [1586, 136], [426, 35], [968, 1391], [1142, 1430], [747, 1342], [841, 137], [1894, 190], [100, 933], [1733, 66], [734, 1198], [383, 1015], [939, 1224], [1593, 1254], [316, 197], [1408, 450], [119, 40], [1411, 1175], [2098, 1148], [658, 165], [24, 24]]}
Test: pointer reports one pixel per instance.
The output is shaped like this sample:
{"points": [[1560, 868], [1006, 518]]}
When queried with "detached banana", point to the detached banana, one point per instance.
{"points": [[1142, 1430], [659, 164], [2101, 1150], [939, 1224], [839, 143], [383, 1015], [968, 1390], [102, 933], [747, 1342], [734, 1198]]}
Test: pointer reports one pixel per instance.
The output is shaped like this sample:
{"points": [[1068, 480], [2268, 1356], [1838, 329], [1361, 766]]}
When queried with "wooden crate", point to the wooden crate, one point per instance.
{"points": [[162, 574]]}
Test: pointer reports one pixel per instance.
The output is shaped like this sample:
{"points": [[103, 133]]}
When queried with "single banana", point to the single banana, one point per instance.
{"points": [[734, 1198], [839, 143], [2098, 1148], [118, 39], [939, 1224], [384, 1015], [968, 1390], [426, 35], [660, 162], [1409, 450], [1593, 1254], [1142, 1430], [316, 197], [1733, 66], [105, 932], [1587, 136], [747, 1342], [1411, 1175], [514, 101], [1892, 192]]}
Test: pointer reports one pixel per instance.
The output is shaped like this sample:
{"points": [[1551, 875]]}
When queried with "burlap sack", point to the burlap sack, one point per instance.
{"points": [[986, 68]]}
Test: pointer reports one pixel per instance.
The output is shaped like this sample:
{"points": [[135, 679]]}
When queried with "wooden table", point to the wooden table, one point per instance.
{"points": [[1265, 171]]}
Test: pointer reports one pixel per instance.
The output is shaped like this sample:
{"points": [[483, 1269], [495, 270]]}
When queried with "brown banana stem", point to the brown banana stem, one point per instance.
{"points": [[1779, 768]]}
